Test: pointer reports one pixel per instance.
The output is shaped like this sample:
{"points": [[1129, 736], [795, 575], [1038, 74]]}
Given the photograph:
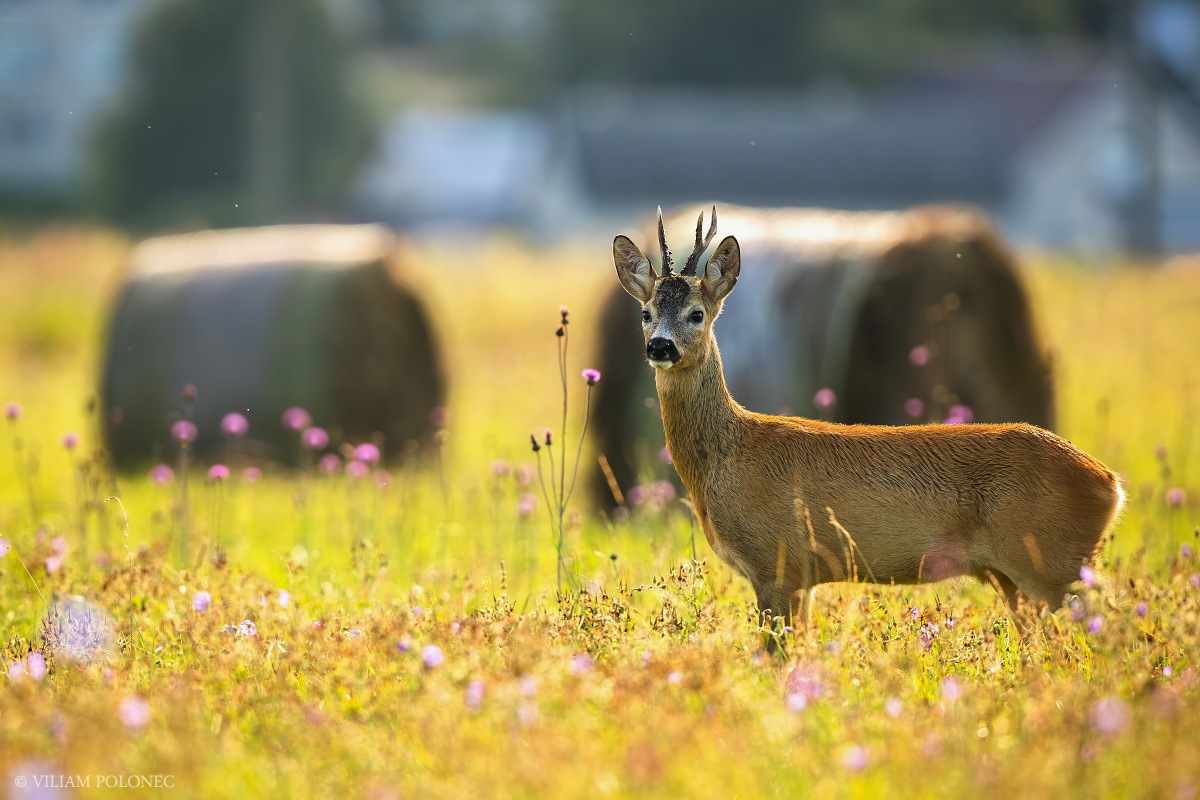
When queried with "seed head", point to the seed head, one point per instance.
{"points": [[533, 441]]}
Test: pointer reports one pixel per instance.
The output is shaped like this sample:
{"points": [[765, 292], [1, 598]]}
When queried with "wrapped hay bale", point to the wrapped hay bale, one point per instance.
{"points": [[883, 318], [262, 320]]}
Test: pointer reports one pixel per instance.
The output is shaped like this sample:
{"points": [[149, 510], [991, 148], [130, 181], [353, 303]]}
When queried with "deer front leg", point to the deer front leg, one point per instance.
{"points": [[775, 613]]}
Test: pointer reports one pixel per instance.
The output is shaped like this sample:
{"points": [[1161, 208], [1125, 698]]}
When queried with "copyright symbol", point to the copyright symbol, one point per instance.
{"points": [[19, 781]]}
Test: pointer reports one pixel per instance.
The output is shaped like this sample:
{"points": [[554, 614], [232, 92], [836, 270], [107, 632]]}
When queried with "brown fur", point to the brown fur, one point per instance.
{"points": [[791, 503]]}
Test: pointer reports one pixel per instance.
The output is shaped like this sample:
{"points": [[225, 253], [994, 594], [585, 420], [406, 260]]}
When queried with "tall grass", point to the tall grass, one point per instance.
{"points": [[313, 668]]}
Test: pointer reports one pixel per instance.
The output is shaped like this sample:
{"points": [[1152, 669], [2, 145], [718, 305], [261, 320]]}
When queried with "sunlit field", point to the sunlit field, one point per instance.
{"points": [[401, 634]]}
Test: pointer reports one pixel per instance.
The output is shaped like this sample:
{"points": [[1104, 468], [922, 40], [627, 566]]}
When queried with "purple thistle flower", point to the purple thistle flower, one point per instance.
{"points": [[314, 438], [247, 628], [525, 474], [1175, 496], [919, 356], [529, 685], [805, 680], [296, 419], [825, 399], [16, 671], [234, 424], [161, 474], [582, 663], [1185, 552], [218, 472], [200, 601], [592, 376], [367, 453], [70, 440], [35, 665], [329, 463], [404, 645], [59, 545], [53, 564], [284, 599], [1194, 580], [525, 505], [383, 478], [796, 702], [432, 656], [914, 407], [184, 432], [675, 677], [1087, 575], [473, 698], [893, 707], [963, 411], [664, 456], [501, 468], [952, 689], [439, 416], [1141, 609], [4, 547], [134, 713], [1078, 609], [12, 411], [914, 612], [357, 469], [1110, 716], [1095, 623], [252, 474], [854, 758]]}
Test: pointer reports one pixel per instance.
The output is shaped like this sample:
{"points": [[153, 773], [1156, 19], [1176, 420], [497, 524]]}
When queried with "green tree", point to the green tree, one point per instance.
{"points": [[236, 113]]}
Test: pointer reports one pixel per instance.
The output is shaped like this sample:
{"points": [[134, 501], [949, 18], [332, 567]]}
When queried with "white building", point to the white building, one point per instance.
{"points": [[61, 64]]}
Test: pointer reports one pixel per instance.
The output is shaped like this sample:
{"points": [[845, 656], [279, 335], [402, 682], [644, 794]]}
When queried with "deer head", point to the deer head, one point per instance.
{"points": [[678, 310]]}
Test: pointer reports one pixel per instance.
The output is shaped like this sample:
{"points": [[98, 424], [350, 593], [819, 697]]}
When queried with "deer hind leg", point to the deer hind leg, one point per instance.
{"points": [[1008, 590]]}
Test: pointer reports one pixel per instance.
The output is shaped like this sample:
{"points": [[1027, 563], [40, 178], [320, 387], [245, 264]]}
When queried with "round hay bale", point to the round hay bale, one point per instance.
{"points": [[884, 309], [261, 320]]}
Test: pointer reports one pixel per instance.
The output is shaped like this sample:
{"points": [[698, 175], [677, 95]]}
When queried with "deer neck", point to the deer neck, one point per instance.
{"points": [[699, 418]]}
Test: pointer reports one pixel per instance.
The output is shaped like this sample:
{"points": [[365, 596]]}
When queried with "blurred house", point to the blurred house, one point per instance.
{"points": [[1054, 147], [61, 63], [458, 168]]}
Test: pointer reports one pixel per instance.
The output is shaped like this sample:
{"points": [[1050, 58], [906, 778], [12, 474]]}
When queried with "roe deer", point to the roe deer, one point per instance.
{"points": [[847, 301], [791, 502]]}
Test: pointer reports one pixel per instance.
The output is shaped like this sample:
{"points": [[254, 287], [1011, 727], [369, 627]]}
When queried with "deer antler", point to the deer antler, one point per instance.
{"points": [[701, 244], [662, 243]]}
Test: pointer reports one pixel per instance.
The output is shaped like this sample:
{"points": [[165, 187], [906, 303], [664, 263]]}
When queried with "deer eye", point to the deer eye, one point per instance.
{"points": [[645, 315], [696, 317]]}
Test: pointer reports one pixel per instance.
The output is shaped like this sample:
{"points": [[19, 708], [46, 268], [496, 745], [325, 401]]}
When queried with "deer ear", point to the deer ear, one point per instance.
{"points": [[633, 269], [722, 271]]}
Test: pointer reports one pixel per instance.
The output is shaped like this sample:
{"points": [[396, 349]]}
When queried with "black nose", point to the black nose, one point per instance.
{"points": [[662, 349]]}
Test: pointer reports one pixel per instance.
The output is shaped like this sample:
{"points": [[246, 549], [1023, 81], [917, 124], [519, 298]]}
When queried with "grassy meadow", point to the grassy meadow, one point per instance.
{"points": [[400, 635]]}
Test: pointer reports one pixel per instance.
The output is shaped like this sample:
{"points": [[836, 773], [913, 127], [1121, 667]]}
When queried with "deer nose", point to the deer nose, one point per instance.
{"points": [[661, 348]]}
